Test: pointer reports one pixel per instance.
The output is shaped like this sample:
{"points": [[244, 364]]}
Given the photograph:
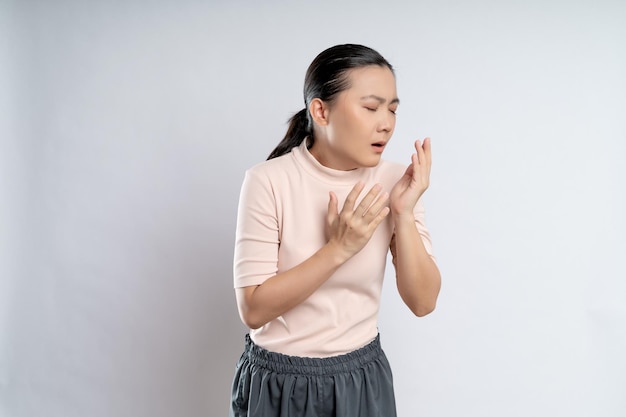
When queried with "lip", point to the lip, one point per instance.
{"points": [[379, 147]]}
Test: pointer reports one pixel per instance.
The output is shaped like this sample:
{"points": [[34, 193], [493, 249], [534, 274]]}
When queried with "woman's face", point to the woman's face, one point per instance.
{"points": [[360, 121]]}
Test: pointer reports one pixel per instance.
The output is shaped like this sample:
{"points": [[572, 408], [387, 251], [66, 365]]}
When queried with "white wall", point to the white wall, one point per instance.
{"points": [[127, 126]]}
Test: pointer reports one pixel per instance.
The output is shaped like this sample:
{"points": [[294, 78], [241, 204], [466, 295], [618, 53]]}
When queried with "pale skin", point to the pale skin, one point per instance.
{"points": [[345, 131]]}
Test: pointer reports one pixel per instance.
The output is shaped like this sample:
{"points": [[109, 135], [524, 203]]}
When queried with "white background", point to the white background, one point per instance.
{"points": [[126, 128]]}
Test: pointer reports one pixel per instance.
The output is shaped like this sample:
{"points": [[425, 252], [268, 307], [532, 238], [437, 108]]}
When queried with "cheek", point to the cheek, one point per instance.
{"points": [[346, 125], [361, 121]]}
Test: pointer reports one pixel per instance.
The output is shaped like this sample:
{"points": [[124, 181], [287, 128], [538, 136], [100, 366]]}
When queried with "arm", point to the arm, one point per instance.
{"points": [[417, 276], [261, 304], [348, 233]]}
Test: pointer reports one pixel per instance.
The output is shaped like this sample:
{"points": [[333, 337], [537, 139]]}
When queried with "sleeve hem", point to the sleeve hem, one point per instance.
{"points": [[249, 282]]}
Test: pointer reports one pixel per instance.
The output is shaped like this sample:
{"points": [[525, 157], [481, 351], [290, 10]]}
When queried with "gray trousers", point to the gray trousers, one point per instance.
{"points": [[269, 384]]}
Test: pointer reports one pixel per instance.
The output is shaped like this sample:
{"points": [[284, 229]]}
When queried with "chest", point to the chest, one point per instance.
{"points": [[302, 219]]}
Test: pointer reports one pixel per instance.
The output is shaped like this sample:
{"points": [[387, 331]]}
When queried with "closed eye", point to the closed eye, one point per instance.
{"points": [[371, 108]]}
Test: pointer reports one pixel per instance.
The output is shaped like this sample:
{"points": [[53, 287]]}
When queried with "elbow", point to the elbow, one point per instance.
{"points": [[253, 321], [420, 306], [252, 316], [249, 313], [421, 310]]}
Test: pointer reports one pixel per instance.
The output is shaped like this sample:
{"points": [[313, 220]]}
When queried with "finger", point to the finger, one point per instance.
{"points": [[380, 217], [367, 200], [348, 205], [332, 208], [377, 206], [420, 152], [427, 150], [413, 167], [409, 169]]}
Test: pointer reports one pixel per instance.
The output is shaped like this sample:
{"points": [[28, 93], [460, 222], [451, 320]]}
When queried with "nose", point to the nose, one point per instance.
{"points": [[387, 122]]}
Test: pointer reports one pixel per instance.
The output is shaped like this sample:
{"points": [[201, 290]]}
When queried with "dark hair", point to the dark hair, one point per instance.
{"points": [[326, 77]]}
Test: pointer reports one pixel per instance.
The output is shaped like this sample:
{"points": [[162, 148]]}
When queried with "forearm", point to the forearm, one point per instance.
{"points": [[418, 278], [261, 304]]}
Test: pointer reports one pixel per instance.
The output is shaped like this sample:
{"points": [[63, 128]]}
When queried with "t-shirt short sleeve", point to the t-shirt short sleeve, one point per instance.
{"points": [[420, 223], [257, 235], [419, 214]]}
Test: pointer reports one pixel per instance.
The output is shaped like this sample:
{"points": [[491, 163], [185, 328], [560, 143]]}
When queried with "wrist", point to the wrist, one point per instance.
{"points": [[402, 218], [335, 253]]}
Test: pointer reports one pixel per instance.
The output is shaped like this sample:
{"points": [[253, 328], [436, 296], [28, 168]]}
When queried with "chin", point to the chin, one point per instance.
{"points": [[370, 162]]}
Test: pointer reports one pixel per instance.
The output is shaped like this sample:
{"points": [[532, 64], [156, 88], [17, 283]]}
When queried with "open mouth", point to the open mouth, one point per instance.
{"points": [[379, 145]]}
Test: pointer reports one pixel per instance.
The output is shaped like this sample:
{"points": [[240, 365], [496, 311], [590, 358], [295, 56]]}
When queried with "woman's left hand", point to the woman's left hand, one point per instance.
{"points": [[413, 183]]}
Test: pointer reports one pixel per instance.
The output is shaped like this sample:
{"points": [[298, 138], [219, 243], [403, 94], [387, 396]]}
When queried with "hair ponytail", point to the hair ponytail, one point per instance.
{"points": [[297, 131]]}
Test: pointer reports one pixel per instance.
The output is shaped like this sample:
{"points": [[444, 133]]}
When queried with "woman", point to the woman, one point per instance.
{"points": [[315, 224]]}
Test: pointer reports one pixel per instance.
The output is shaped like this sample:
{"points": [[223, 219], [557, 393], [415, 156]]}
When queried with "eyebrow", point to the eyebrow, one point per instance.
{"points": [[380, 99]]}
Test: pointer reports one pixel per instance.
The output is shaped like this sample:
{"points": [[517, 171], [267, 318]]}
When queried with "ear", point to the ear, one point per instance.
{"points": [[319, 111]]}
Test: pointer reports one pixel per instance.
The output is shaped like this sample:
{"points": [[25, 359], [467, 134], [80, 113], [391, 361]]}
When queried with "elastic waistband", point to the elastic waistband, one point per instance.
{"points": [[278, 362]]}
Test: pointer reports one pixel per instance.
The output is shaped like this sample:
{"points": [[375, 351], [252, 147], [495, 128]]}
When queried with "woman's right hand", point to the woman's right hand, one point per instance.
{"points": [[351, 229]]}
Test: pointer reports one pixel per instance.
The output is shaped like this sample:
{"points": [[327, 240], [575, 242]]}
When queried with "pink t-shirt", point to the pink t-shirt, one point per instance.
{"points": [[280, 224]]}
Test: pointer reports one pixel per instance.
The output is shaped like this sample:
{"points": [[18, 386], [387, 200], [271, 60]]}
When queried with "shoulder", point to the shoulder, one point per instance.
{"points": [[272, 169], [270, 174]]}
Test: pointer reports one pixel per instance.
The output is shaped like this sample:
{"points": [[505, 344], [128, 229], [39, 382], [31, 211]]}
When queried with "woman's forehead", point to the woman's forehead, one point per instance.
{"points": [[373, 81]]}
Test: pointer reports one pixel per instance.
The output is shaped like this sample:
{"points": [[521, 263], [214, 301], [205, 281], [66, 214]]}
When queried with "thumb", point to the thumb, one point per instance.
{"points": [[333, 212]]}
